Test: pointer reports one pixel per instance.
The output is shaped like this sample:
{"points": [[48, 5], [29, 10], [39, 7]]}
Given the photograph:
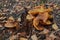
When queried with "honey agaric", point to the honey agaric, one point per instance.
{"points": [[41, 15]]}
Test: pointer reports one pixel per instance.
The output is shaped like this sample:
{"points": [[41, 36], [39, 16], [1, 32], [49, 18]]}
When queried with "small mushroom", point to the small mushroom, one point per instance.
{"points": [[9, 23], [12, 24]]}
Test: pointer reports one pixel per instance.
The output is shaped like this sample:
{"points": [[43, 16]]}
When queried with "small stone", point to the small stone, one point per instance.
{"points": [[23, 38], [19, 19], [34, 37], [52, 35], [10, 4], [5, 5], [45, 31], [54, 26]]}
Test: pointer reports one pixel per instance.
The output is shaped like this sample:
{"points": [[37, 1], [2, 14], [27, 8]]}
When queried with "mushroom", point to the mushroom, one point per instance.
{"points": [[11, 23], [41, 16]]}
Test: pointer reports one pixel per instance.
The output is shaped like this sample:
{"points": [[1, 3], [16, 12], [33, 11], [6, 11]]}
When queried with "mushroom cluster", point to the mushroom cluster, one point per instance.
{"points": [[41, 16]]}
